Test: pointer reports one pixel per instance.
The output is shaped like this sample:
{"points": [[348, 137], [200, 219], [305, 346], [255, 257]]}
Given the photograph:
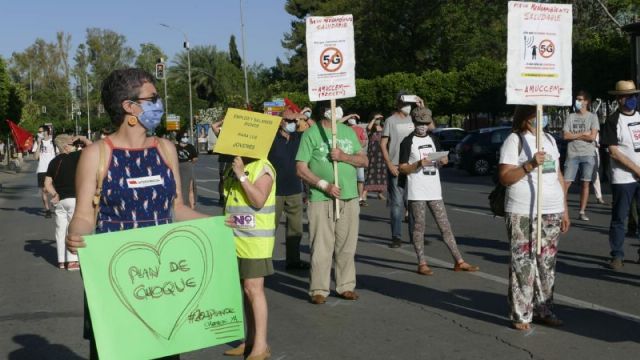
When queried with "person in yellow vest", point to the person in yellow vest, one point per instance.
{"points": [[250, 193]]}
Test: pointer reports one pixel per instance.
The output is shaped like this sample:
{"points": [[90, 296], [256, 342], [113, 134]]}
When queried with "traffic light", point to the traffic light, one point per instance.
{"points": [[159, 71], [78, 91]]}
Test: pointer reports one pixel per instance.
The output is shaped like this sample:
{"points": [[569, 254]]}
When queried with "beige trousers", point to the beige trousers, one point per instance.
{"points": [[330, 238]]}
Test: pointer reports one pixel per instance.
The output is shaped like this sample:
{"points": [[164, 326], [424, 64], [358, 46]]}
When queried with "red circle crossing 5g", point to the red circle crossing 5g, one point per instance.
{"points": [[331, 59], [546, 48]]}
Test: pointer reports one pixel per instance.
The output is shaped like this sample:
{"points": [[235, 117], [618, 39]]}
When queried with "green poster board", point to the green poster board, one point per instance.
{"points": [[163, 290]]}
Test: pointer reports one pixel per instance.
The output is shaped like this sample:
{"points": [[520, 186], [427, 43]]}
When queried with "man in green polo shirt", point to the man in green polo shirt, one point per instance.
{"points": [[328, 235]]}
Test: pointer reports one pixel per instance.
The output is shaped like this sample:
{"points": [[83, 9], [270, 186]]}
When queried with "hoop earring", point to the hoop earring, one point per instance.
{"points": [[132, 121]]}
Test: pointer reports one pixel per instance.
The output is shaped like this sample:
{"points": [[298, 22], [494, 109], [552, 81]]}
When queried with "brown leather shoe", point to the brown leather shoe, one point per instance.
{"points": [[265, 355], [464, 266], [318, 299], [349, 295], [424, 269], [236, 351]]}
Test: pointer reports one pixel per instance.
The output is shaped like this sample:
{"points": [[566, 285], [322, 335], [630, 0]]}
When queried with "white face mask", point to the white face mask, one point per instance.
{"points": [[351, 121], [339, 114], [406, 109]]}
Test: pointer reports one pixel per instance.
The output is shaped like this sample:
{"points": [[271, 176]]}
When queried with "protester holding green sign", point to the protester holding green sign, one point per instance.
{"points": [[137, 179], [250, 193]]}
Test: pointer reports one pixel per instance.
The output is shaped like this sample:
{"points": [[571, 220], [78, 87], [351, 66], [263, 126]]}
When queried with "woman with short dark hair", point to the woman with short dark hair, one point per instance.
{"points": [[130, 98]]}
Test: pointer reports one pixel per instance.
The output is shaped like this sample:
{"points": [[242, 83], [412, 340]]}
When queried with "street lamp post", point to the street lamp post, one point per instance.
{"points": [[86, 79], [186, 46], [244, 59]]}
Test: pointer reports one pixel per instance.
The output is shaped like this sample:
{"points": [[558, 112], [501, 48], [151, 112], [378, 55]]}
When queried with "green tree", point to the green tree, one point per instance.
{"points": [[149, 56], [234, 55]]}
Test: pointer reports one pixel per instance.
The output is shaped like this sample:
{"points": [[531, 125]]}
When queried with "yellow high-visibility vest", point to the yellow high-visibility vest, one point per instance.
{"points": [[256, 231]]}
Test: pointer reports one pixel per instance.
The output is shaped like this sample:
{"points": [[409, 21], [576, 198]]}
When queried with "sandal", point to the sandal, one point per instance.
{"points": [[464, 266], [73, 266], [424, 269], [61, 266], [521, 326]]}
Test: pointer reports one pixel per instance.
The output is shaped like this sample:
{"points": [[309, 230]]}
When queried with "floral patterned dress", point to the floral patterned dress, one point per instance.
{"points": [[376, 174]]}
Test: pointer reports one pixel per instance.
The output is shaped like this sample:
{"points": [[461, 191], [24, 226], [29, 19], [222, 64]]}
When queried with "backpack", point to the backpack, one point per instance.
{"points": [[497, 197]]}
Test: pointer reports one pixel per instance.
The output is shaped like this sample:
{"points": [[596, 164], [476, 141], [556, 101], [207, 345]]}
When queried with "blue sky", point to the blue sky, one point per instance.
{"points": [[206, 22]]}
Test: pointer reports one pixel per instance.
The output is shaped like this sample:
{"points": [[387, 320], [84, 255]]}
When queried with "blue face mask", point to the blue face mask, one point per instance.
{"points": [[631, 103], [578, 105], [545, 122], [151, 114], [290, 127]]}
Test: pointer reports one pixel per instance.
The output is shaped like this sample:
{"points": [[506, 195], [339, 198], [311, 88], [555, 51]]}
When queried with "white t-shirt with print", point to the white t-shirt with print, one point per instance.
{"points": [[521, 197], [628, 133], [47, 153], [423, 184]]}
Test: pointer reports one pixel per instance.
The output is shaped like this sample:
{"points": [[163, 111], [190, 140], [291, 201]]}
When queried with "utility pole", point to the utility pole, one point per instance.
{"points": [[86, 79], [186, 46], [244, 59]]}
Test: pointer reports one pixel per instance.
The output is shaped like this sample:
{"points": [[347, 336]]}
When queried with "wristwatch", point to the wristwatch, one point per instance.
{"points": [[243, 178]]}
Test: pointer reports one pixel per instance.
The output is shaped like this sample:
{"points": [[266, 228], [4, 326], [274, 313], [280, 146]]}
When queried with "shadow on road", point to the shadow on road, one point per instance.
{"points": [[37, 211], [43, 248], [287, 284], [36, 347], [493, 308]]}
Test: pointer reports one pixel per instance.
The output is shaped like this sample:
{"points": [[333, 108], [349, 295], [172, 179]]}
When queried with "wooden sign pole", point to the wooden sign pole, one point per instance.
{"points": [[334, 144], [539, 135]]}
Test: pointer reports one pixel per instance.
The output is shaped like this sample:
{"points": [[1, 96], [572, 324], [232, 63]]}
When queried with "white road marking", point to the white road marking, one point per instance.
{"points": [[473, 212], [207, 190], [562, 298], [211, 180], [212, 168]]}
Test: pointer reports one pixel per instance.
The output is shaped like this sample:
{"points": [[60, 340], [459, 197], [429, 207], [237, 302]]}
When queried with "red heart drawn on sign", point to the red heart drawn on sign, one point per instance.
{"points": [[161, 284]]}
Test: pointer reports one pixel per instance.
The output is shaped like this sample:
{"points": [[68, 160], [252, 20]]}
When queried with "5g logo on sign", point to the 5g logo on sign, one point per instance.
{"points": [[331, 59]]}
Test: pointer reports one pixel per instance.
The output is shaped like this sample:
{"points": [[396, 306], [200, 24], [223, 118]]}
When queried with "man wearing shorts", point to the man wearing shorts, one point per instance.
{"points": [[44, 151], [581, 130]]}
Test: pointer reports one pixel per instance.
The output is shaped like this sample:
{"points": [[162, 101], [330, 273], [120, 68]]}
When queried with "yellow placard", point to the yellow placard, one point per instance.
{"points": [[247, 133]]}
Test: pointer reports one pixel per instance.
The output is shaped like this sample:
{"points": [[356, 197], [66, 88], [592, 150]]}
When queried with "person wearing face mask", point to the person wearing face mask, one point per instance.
{"points": [[376, 174], [60, 184], [187, 156], [352, 121], [44, 151], [396, 128], [113, 167], [304, 120], [330, 237], [581, 130], [424, 189], [532, 275], [282, 156], [621, 135]]}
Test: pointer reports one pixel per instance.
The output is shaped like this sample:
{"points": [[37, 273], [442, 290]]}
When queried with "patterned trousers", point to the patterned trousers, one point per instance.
{"points": [[439, 212], [531, 276]]}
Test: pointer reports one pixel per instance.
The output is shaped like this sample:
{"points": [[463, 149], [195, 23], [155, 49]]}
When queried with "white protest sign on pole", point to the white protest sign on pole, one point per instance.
{"points": [[539, 53], [539, 67], [331, 64], [331, 57]]}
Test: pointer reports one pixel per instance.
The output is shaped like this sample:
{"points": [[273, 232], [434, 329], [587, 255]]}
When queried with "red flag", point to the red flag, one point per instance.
{"points": [[22, 138], [291, 105]]}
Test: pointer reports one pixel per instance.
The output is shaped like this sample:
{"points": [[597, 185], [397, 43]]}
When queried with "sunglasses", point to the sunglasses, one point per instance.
{"points": [[290, 120], [153, 98]]}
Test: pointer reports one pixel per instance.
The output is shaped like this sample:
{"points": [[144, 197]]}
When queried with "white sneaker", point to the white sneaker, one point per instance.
{"points": [[583, 217]]}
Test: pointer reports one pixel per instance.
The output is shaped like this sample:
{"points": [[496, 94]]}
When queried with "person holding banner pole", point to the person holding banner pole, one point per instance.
{"points": [[330, 235], [532, 273], [127, 180]]}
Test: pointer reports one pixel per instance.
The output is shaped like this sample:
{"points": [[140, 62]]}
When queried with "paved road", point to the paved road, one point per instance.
{"points": [[401, 315]]}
